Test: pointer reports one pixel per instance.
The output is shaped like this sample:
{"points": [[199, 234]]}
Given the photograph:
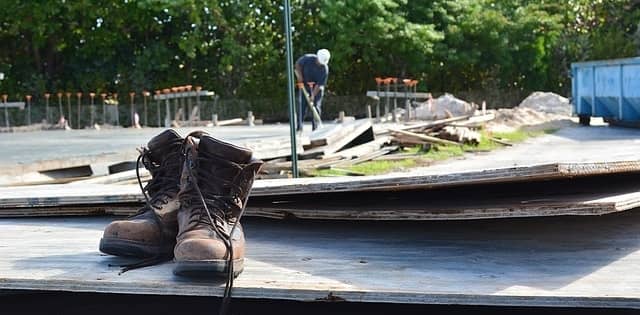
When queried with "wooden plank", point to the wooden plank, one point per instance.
{"points": [[115, 178], [352, 132], [331, 134], [425, 137], [568, 262], [19, 105], [423, 95], [435, 123], [364, 158], [362, 149], [182, 95], [53, 195]]}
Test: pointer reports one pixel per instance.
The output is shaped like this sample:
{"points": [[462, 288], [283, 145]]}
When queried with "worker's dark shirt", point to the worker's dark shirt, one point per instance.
{"points": [[312, 71]]}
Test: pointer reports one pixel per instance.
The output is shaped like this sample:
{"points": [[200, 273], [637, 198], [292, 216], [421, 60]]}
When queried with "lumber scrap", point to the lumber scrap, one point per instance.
{"points": [[228, 122], [360, 129], [460, 135], [362, 149], [434, 123], [364, 158], [496, 140], [331, 134], [425, 137]]}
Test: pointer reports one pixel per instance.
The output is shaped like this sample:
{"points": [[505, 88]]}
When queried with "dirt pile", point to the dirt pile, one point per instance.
{"points": [[443, 107], [540, 109], [547, 102]]}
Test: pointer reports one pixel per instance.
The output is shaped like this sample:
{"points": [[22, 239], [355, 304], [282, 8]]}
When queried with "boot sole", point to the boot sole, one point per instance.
{"points": [[214, 267], [129, 248]]}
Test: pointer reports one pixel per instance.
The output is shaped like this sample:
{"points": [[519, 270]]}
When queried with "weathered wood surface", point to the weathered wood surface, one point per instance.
{"points": [[466, 209], [54, 195], [568, 262], [346, 134]]}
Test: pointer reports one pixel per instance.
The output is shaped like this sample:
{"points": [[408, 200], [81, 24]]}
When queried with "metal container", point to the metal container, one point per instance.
{"points": [[607, 88]]}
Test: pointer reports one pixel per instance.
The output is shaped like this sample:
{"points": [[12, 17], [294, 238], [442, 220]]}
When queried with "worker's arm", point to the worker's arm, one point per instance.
{"points": [[298, 72], [321, 83], [316, 90]]}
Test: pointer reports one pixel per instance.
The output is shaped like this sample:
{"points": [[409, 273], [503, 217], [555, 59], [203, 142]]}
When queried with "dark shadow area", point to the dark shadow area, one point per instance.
{"points": [[598, 133], [108, 304], [534, 190], [471, 257]]}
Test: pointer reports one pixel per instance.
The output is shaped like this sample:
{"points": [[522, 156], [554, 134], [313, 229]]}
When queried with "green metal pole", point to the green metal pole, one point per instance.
{"points": [[290, 91]]}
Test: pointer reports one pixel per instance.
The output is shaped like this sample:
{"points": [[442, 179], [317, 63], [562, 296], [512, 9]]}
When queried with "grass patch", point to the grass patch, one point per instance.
{"points": [[522, 135], [437, 153]]}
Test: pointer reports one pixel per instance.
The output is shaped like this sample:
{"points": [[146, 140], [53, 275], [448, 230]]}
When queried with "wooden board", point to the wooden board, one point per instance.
{"points": [[54, 195], [568, 262]]}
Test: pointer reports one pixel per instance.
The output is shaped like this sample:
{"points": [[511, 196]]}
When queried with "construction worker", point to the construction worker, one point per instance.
{"points": [[312, 70]]}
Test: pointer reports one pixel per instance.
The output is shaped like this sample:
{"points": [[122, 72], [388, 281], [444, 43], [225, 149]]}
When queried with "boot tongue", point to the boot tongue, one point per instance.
{"points": [[163, 143], [214, 147]]}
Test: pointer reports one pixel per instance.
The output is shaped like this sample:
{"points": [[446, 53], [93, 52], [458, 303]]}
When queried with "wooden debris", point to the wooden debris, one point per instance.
{"points": [[360, 131], [496, 140], [230, 122], [460, 135], [424, 137], [331, 134], [363, 149]]}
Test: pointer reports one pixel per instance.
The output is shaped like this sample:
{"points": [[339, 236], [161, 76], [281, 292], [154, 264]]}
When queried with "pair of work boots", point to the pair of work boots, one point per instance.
{"points": [[195, 199]]}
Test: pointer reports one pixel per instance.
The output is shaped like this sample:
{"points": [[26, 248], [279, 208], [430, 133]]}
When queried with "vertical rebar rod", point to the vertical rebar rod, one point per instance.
{"points": [[91, 109], [28, 98], [6, 112], [145, 95], [158, 113], [46, 107], [68, 117], [60, 113], [79, 95], [104, 108], [117, 104]]}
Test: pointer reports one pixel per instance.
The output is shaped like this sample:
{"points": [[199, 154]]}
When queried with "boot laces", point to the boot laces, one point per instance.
{"points": [[163, 179], [217, 210]]}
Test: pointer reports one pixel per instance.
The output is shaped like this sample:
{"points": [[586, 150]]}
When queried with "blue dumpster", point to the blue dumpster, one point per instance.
{"points": [[607, 88]]}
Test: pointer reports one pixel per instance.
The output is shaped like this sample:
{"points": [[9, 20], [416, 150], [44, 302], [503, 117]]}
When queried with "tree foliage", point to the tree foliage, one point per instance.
{"points": [[237, 47]]}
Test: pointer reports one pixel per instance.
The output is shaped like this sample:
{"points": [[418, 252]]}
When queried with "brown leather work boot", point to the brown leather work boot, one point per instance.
{"points": [[215, 185], [152, 231]]}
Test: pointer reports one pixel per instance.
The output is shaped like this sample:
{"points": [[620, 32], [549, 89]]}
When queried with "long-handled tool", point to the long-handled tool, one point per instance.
{"points": [[316, 116]]}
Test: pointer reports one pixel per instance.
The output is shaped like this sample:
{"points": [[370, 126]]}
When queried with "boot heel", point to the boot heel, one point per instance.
{"points": [[214, 267]]}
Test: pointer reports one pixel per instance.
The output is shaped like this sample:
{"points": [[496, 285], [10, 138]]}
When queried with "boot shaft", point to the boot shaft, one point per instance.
{"points": [[222, 174]]}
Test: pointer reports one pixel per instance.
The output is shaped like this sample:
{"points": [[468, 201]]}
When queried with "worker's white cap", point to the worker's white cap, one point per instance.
{"points": [[323, 56]]}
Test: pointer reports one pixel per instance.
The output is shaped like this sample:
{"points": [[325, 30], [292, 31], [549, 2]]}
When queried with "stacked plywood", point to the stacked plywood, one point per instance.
{"points": [[386, 197]]}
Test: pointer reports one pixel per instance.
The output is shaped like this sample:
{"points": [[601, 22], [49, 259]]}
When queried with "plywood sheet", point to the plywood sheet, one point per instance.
{"points": [[569, 262], [54, 195]]}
